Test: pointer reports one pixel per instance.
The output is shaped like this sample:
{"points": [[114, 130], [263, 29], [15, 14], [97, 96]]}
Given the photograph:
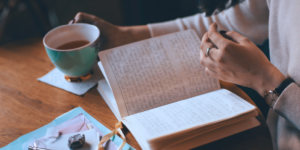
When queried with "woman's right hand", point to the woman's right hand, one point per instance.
{"points": [[112, 35], [238, 61]]}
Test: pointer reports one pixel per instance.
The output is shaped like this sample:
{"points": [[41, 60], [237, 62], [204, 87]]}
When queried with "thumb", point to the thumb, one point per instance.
{"points": [[71, 21], [84, 18], [91, 19]]}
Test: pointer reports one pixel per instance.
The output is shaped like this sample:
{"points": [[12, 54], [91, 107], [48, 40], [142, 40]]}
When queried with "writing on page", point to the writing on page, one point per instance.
{"points": [[160, 71]]}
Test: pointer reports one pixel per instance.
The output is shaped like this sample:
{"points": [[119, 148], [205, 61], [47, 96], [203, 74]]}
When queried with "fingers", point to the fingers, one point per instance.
{"points": [[71, 21], [206, 43], [207, 40], [211, 61], [212, 73], [216, 37], [84, 18], [207, 62], [218, 75]]}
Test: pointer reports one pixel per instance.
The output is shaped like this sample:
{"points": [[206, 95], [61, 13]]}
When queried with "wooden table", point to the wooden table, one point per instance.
{"points": [[27, 104]]}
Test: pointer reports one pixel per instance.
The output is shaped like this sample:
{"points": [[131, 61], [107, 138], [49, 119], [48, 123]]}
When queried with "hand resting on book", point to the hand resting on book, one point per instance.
{"points": [[239, 61]]}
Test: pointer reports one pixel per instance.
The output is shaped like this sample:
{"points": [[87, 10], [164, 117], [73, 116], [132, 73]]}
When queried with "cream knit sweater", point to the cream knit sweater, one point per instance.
{"points": [[259, 20]]}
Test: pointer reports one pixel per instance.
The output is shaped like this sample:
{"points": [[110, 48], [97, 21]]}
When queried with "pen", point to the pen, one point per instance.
{"points": [[223, 33]]}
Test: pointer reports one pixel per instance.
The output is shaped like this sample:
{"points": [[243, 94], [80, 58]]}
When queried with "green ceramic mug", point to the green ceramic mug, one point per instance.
{"points": [[73, 62]]}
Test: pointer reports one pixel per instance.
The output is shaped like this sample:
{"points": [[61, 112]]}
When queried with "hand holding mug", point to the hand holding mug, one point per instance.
{"points": [[113, 35]]}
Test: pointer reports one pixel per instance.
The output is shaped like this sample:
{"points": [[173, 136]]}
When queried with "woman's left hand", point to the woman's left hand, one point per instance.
{"points": [[238, 61]]}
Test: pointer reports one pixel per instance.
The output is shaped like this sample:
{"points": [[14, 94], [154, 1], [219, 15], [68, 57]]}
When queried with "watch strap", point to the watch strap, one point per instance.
{"points": [[272, 95], [285, 83]]}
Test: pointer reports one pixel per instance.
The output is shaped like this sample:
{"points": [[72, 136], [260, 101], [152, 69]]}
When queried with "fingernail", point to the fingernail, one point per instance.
{"points": [[72, 21]]}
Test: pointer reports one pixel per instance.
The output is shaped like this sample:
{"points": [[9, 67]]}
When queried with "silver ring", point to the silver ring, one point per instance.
{"points": [[207, 51]]}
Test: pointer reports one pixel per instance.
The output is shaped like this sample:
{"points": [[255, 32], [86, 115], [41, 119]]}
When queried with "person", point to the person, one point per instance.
{"points": [[234, 56]]}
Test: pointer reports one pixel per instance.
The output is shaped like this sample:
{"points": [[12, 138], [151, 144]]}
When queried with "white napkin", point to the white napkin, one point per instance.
{"points": [[56, 78]]}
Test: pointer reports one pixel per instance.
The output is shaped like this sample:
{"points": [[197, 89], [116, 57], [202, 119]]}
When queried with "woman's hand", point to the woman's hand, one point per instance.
{"points": [[238, 61], [112, 35]]}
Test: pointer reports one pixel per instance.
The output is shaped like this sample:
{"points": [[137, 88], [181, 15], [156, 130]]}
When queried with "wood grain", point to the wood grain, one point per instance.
{"points": [[27, 104]]}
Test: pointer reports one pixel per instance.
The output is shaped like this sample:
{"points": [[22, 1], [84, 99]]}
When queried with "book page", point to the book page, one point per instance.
{"points": [[196, 111], [216, 134], [107, 95], [156, 72]]}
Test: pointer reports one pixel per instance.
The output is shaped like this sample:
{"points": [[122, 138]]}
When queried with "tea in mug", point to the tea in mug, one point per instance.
{"points": [[73, 45]]}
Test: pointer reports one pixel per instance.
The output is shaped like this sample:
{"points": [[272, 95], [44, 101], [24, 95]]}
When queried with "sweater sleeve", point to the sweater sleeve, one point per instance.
{"points": [[249, 18], [287, 105]]}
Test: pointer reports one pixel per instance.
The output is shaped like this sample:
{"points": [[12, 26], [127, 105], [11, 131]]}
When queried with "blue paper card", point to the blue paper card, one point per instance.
{"points": [[17, 144]]}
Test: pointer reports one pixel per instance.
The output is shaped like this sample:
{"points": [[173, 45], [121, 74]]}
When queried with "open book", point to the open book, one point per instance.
{"points": [[161, 93]]}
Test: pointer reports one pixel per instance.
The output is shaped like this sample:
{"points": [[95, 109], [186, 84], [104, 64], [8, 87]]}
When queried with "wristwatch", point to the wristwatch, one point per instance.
{"points": [[272, 95]]}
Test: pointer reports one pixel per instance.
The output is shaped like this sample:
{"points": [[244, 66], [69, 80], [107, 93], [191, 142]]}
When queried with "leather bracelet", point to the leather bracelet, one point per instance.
{"points": [[285, 83]]}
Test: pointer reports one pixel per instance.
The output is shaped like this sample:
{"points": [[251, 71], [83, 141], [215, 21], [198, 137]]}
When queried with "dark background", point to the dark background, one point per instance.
{"points": [[21, 19]]}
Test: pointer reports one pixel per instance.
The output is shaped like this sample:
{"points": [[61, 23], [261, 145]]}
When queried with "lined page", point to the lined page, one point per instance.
{"points": [[156, 72], [200, 110]]}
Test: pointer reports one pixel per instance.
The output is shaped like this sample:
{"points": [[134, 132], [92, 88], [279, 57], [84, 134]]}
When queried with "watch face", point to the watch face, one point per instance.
{"points": [[271, 98]]}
